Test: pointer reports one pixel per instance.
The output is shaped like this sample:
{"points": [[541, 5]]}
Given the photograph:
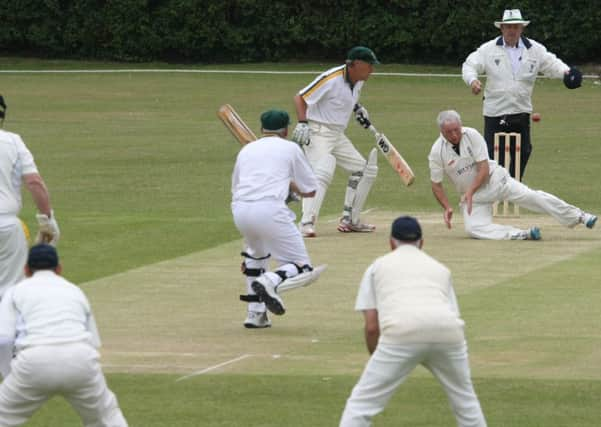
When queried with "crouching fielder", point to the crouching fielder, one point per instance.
{"points": [[266, 171], [47, 322], [410, 319], [460, 153]]}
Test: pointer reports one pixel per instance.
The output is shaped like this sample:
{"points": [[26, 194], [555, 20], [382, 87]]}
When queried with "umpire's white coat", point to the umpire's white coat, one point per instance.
{"points": [[506, 93], [55, 339]]}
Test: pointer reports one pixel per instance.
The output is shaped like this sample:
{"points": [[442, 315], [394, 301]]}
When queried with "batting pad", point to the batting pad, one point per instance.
{"points": [[300, 280]]}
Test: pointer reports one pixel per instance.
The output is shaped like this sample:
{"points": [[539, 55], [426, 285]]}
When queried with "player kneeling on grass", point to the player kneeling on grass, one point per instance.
{"points": [[460, 153], [266, 171], [411, 318], [47, 323]]}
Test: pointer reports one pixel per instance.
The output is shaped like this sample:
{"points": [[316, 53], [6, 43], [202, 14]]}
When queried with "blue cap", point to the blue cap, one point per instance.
{"points": [[406, 229], [42, 257]]}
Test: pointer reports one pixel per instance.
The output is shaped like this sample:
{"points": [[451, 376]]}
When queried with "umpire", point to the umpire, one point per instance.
{"points": [[511, 63], [411, 318]]}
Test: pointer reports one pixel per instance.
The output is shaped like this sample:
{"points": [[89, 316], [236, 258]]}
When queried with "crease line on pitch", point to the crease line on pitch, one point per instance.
{"points": [[211, 368]]}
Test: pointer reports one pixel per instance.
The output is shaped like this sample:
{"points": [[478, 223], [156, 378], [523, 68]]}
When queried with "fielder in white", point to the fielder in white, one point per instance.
{"points": [[460, 153], [266, 171], [411, 318], [47, 323], [323, 109], [17, 167]]}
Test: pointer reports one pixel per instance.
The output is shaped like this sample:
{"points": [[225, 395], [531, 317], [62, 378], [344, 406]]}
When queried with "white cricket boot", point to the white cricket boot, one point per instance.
{"points": [[265, 289], [256, 319]]}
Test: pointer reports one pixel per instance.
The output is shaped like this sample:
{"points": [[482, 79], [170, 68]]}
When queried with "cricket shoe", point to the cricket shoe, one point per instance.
{"points": [[534, 234], [256, 320], [265, 289], [307, 229], [588, 219], [346, 226]]}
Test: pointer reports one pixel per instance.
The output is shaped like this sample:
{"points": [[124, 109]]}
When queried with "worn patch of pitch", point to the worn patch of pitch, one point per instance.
{"points": [[183, 315]]}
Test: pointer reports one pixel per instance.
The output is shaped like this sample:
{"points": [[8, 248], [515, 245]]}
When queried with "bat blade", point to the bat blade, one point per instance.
{"points": [[234, 123], [398, 163]]}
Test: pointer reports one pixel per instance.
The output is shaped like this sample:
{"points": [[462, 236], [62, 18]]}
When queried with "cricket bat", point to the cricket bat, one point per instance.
{"points": [[234, 123]]}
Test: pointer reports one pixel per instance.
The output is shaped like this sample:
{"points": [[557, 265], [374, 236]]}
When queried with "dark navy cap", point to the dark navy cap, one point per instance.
{"points": [[42, 257], [406, 229]]}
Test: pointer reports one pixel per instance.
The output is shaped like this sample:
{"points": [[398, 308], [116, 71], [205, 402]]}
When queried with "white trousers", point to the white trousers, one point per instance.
{"points": [[501, 187], [328, 142], [71, 370], [268, 228], [389, 366], [13, 253]]}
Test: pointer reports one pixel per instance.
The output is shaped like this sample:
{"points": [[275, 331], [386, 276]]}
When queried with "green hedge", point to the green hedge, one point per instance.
{"points": [[259, 30]]}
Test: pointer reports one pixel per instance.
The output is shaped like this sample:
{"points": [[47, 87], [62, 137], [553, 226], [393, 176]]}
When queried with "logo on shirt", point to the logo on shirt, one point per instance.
{"points": [[497, 61]]}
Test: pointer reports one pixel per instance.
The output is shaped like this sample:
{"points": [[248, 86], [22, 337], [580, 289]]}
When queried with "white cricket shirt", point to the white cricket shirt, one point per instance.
{"points": [[414, 297], [460, 168], [15, 161], [265, 168], [331, 97], [46, 309]]}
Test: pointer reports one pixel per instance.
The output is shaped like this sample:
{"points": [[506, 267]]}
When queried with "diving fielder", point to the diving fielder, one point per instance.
{"points": [[411, 318], [265, 171], [460, 154], [323, 109]]}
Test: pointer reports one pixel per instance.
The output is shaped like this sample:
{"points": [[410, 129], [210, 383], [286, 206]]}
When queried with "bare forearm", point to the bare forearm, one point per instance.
{"points": [[301, 108], [481, 176], [294, 188], [36, 186], [440, 195], [371, 340]]}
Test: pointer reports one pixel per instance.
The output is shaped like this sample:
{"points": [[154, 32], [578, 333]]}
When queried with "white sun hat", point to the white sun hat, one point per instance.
{"points": [[512, 16]]}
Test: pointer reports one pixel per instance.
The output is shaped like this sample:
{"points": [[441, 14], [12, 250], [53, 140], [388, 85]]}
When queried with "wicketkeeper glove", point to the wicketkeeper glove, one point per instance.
{"points": [[573, 79], [301, 134], [48, 231], [361, 115]]}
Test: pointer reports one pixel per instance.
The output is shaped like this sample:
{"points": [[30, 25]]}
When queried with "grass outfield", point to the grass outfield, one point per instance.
{"points": [[139, 171]]}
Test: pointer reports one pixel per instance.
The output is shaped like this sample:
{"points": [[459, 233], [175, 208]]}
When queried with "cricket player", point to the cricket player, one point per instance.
{"points": [[47, 323], [323, 109], [17, 167], [265, 171], [512, 63], [410, 319], [460, 154]]}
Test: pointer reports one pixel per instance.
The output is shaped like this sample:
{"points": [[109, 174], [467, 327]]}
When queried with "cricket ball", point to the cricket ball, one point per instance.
{"points": [[535, 117]]}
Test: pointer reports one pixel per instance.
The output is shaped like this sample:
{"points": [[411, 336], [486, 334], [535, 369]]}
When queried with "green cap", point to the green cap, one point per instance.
{"points": [[362, 53], [274, 120]]}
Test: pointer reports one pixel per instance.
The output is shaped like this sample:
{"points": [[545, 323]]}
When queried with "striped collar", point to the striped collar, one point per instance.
{"points": [[524, 42]]}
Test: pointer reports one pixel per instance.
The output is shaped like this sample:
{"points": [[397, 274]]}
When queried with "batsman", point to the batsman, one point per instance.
{"points": [[323, 110]]}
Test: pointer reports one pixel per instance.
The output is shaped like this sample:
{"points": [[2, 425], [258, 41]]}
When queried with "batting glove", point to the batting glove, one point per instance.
{"points": [[301, 134], [362, 115], [48, 231]]}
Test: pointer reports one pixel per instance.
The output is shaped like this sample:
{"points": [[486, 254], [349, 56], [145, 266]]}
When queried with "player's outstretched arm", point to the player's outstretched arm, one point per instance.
{"points": [[443, 200]]}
